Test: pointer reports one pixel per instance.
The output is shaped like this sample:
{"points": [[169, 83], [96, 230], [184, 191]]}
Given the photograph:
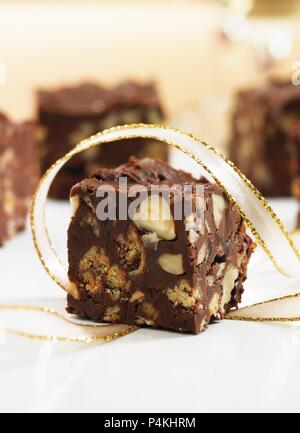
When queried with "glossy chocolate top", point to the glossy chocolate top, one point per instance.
{"points": [[145, 171]]}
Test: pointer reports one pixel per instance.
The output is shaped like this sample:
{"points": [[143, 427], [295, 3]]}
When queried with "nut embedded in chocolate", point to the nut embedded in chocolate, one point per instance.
{"points": [[139, 271], [171, 263], [154, 216]]}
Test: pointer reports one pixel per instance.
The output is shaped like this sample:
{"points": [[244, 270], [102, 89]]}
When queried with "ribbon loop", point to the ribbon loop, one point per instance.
{"points": [[257, 213]]}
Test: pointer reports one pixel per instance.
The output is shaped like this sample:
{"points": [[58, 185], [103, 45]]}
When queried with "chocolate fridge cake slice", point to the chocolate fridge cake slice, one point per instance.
{"points": [[173, 263]]}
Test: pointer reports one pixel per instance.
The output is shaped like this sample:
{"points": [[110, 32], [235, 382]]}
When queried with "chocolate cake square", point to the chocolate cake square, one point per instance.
{"points": [[18, 174], [70, 114], [175, 257], [265, 136]]}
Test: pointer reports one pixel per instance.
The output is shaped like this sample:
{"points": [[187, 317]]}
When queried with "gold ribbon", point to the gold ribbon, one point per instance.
{"points": [[260, 312], [108, 337], [257, 213]]}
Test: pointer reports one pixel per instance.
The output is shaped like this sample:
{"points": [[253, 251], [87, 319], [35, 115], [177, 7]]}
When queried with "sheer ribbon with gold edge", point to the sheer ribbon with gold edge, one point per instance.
{"points": [[257, 213], [106, 333]]}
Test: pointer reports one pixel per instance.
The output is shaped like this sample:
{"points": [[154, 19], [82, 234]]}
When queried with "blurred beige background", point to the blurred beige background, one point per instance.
{"points": [[177, 43]]}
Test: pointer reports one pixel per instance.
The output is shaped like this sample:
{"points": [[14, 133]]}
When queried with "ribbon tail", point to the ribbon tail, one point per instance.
{"points": [[284, 309]]}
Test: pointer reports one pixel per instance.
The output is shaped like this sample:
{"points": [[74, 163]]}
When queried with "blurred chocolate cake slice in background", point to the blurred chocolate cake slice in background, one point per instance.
{"points": [[18, 174], [68, 115], [265, 136]]}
